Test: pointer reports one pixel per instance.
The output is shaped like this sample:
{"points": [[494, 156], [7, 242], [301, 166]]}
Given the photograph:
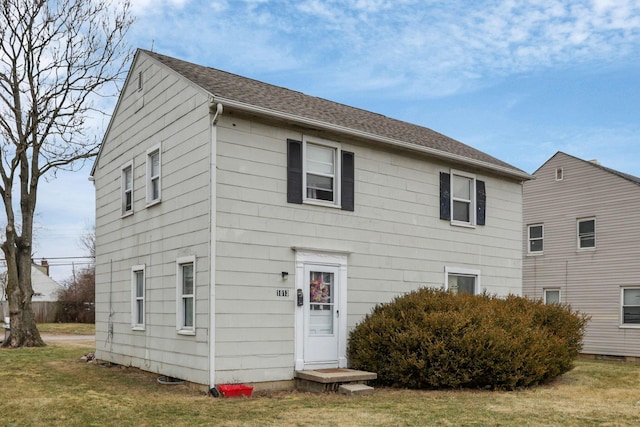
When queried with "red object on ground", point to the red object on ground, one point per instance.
{"points": [[235, 390]]}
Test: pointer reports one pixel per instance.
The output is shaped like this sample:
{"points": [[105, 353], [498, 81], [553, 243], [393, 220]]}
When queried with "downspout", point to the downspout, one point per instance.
{"points": [[216, 108]]}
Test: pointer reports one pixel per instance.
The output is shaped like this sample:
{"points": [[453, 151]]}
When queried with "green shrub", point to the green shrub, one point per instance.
{"points": [[435, 339]]}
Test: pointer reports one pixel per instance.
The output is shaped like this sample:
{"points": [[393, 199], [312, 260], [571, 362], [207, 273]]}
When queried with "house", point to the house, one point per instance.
{"points": [[580, 248], [45, 294], [242, 229]]}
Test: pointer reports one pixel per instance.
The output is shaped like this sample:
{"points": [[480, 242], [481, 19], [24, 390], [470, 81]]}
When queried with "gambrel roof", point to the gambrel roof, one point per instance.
{"points": [[234, 91]]}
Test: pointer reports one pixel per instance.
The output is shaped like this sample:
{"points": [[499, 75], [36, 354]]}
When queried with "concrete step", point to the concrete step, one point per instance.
{"points": [[330, 380], [355, 389], [336, 375]]}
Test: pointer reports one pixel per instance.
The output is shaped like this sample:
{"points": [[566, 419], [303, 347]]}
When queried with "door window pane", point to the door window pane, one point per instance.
{"points": [[321, 303]]}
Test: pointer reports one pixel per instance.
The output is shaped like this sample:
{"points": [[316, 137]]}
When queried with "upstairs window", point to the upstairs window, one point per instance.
{"points": [[462, 187], [536, 238], [559, 174], [320, 172], [587, 233], [127, 189], [462, 199], [153, 175]]}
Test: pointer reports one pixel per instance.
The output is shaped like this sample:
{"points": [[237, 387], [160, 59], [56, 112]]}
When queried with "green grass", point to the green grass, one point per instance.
{"points": [[50, 386]]}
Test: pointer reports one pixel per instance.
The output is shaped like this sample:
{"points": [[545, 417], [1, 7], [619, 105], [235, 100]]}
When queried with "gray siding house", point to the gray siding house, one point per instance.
{"points": [[242, 229], [581, 249]]}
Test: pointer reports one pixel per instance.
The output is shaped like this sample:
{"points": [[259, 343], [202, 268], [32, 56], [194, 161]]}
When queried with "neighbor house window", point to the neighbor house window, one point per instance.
{"points": [[464, 281], [552, 296], [320, 172], [631, 306], [536, 236], [586, 233], [153, 175], [559, 174], [186, 291], [462, 198], [127, 188], [137, 296]]}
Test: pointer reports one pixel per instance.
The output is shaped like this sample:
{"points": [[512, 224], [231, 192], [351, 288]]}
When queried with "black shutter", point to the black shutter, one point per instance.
{"points": [[481, 202], [347, 181], [294, 171], [445, 196]]}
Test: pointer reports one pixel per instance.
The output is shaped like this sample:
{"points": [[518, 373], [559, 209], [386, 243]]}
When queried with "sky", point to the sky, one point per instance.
{"points": [[519, 80]]}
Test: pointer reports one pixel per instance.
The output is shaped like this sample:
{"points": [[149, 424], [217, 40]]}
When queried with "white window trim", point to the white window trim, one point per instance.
{"points": [[529, 251], [595, 233], [124, 212], [337, 179], [559, 174], [150, 151], [462, 272], [182, 330], [134, 297], [472, 207], [622, 324], [544, 294]]}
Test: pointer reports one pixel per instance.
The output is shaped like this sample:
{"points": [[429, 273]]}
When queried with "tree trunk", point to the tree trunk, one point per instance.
{"points": [[24, 332]]}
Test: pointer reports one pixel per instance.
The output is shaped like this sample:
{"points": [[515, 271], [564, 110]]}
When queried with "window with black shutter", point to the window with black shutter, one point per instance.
{"points": [[319, 172], [463, 199]]}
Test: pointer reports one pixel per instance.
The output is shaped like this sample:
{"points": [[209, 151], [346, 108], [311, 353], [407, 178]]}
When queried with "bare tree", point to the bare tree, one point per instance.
{"points": [[57, 58]]}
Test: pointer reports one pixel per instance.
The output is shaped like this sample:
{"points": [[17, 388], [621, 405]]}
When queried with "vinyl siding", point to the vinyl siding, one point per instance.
{"points": [[175, 116], [590, 280], [395, 240]]}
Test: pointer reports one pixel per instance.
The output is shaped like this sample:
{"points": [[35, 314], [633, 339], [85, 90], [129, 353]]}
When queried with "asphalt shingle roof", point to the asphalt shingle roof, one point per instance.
{"points": [[275, 98]]}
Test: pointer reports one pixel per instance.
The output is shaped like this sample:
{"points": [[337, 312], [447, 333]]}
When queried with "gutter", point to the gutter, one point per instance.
{"points": [[361, 134]]}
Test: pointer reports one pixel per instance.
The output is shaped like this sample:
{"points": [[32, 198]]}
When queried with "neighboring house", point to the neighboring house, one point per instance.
{"points": [[45, 294], [242, 229], [581, 248]]}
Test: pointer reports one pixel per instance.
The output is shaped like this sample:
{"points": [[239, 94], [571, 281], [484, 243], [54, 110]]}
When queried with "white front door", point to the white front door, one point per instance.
{"points": [[321, 312], [321, 324]]}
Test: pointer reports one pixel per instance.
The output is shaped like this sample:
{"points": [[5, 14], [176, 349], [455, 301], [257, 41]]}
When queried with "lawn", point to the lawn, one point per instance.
{"points": [[50, 386]]}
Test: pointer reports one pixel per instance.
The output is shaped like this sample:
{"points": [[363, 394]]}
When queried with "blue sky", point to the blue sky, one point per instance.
{"points": [[519, 80]]}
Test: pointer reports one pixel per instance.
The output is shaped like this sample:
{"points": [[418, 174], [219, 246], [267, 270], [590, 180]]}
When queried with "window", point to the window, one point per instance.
{"points": [[586, 233], [559, 174], [153, 175], [630, 306], [137, 296], [186, 288], [464, 281], [462, 199], [139, 80], [552, 296], [536, 236], [320, 172], [127, 189]]}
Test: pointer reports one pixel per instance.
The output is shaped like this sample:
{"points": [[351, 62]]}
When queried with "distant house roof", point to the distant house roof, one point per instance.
{"points": [[596, 164], [243, 93]]}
